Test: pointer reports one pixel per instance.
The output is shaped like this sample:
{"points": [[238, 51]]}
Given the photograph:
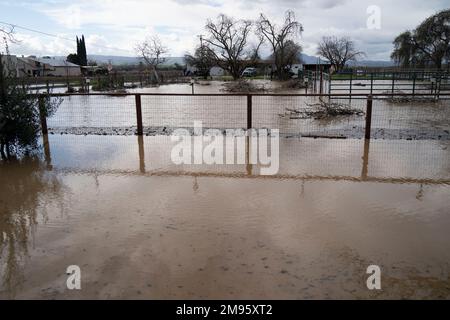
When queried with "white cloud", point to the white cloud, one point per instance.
{"points": [[120, 24], [31, 45]]}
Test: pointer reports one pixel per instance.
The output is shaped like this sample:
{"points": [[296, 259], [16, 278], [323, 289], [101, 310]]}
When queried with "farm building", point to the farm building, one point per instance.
{"points": [[32, 66], [56, 67]]}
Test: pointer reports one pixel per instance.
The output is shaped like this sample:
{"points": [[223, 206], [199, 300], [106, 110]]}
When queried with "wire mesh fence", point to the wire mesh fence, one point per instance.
{"points": [[388, 161], [330, 116], [166, 113], [397, 118], [95, 114], [307, 115], [389, 81]]}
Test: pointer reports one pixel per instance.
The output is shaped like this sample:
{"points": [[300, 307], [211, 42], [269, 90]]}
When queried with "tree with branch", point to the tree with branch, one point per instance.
{"points": [[203, 60], [290, 56], [283, 39], [153, 52], [429, 43], [20, 112], [404, 51], [338, 51], [8, 35], [228, 40]]}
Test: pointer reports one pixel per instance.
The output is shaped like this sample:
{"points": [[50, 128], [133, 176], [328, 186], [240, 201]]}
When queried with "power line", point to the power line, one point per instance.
{"points": [[57, 36]]}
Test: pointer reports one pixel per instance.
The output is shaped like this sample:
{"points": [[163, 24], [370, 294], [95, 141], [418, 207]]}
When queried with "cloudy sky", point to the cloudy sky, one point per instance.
{"points": [[113, 27]]}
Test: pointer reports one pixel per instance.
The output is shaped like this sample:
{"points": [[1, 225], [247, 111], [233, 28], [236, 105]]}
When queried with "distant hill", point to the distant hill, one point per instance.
{"points": [[362, 63], [121, 60], [306, 59], [372, 63]]}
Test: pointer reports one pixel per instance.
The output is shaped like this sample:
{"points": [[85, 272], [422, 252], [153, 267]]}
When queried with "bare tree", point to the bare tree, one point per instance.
{"points": [[7, 34], [203, 59], [338, 51], [228, 40], [282, 39], [7, 67], [152, 51], [289, 57]]}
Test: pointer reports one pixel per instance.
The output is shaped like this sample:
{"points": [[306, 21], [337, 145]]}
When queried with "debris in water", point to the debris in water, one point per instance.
{"points": [[321, 110]]}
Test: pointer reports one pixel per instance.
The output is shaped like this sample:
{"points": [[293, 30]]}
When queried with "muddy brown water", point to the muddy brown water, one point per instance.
{"points": [[141, 227], [93, 114]]}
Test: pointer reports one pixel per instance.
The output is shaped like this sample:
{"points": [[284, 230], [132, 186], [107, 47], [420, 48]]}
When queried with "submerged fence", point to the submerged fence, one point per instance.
{"points": [[381, 116], [408, 82], [385, 161]]}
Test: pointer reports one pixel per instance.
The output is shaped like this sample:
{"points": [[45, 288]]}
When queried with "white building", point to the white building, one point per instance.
{"points": [[215, 71], [32, 67], [57, 67]]}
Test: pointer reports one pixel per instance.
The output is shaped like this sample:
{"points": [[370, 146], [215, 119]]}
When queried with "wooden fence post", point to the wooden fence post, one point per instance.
{"points": [[42, 114], [139, 114], [368, 116], [249, 111]]}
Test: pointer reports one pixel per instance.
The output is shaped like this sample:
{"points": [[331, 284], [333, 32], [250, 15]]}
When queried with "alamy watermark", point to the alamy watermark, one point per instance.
{"points": [[230, 146], [74, 277], [374, 280], [374, 19]]}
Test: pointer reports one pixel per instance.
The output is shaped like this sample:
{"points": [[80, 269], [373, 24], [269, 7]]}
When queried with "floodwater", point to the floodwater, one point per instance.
{"points": [[142, 227], [117, 115]]}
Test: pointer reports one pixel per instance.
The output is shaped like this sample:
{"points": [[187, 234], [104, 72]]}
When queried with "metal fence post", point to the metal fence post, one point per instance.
{"points": [[321, 81], [351, 82], [139, 114], [368, 116], [42, 114], [393, 82], [438, 85], [249, 111], [371, 82]]}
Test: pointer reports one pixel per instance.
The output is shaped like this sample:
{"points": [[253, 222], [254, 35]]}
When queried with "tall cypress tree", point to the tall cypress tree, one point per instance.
{"points": [[83, 52], [78, 49]]}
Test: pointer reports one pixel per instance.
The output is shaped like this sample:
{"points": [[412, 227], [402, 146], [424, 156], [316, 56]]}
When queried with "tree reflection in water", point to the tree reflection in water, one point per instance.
{"points": [[25, 187]]}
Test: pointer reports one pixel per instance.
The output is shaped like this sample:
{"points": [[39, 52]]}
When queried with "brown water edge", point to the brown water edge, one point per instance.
{"points": [[165, 232]]}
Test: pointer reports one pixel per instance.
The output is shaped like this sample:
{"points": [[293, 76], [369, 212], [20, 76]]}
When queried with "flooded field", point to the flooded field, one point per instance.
{"points": [[141, 227], [162, 113]]}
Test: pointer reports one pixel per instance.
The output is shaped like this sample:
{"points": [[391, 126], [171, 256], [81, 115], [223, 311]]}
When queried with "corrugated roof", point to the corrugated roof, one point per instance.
{"points": [[57, 62]]}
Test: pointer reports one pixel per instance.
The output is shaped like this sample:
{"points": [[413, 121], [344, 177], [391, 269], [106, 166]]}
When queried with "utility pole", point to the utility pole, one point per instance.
{"points": [[202, 51], [201, 40]]}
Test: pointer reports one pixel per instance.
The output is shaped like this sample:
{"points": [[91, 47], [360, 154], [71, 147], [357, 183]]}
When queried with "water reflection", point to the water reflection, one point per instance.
{"points": [[365, 157], [396, 161], [25, 186], [225, 231]]}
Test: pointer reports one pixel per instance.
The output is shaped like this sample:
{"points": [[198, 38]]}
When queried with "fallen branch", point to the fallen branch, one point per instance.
{"points": [[322, 110]]}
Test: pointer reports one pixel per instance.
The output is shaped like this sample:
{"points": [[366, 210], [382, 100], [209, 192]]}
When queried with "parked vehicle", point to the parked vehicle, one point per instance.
{"points": [[249, 72]]}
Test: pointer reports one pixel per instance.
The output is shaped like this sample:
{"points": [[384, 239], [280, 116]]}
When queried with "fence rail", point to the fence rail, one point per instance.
{"points": [[411, 82], [383, 116]]}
